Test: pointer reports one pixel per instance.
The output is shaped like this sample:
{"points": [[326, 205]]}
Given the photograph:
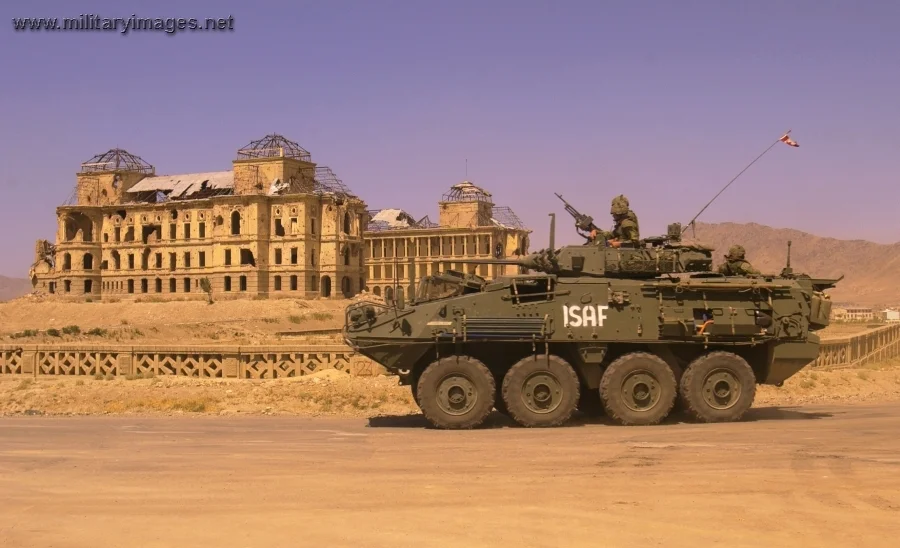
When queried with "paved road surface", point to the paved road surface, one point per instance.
{"points": [[786, 477]]}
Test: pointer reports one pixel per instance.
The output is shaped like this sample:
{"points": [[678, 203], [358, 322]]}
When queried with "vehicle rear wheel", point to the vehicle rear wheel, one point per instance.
{"points": [[638, 389], [718, 387], [541, 391], [456, 392]]}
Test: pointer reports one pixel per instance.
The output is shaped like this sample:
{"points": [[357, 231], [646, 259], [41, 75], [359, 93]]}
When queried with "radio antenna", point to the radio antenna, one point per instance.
{"points": [[783, 139]]}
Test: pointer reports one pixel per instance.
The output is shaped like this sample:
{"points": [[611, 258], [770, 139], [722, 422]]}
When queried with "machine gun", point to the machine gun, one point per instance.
{"points": [[583, 223]]}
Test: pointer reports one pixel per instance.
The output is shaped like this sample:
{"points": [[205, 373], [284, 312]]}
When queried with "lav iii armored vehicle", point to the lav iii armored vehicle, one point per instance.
{"points": [[639, 329]]}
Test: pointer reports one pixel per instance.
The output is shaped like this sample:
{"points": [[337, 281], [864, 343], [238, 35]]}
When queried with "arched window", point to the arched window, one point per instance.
{"points": [[87, 262], [346, 223], [235, 222]]}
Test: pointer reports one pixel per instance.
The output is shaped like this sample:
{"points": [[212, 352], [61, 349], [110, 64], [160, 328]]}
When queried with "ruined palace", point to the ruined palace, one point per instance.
{"points": [[400, 250], [276, 224]]}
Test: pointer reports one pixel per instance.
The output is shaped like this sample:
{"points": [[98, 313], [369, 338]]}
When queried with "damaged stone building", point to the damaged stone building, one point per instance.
{"points": [[400, 250], [275, 225]]}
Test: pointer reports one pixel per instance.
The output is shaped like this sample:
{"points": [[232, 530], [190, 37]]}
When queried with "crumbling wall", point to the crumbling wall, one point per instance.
{"points": [[105, 188], [464, 214]]}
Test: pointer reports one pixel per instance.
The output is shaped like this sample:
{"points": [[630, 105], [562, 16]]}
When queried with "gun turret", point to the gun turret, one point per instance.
{"points": [[600, 261], [583, 223]]}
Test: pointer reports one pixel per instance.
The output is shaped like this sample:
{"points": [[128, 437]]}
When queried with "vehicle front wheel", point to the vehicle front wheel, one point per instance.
{"points": [[541, 391], [456, 392]]}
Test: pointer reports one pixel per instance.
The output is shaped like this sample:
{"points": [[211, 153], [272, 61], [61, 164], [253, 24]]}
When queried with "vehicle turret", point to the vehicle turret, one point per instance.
{"points": [[652, 257]]}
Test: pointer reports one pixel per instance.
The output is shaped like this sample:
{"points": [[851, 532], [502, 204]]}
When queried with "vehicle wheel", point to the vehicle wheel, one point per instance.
{"points": [[541, 391], [718, 387], [456, 392], [638, 389], [589, 403]]}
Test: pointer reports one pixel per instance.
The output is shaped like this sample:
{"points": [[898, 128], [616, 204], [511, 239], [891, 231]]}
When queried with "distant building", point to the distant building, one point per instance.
{"points": [[891, 316], [852, 314], [400, 250], [838, 314], [276, 224]]}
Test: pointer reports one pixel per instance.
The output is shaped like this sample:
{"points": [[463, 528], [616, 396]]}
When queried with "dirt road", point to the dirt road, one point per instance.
{"points": [[812, 476]]}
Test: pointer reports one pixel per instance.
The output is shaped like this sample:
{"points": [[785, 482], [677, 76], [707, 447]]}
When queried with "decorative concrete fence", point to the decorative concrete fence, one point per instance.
{"points": [[214, 362], [878, 344], [273, 362]]}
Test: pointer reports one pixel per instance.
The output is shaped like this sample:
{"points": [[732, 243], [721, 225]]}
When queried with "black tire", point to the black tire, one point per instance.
{"points": [[541, 391], [638, 389], [718, 387], [456, 393]]}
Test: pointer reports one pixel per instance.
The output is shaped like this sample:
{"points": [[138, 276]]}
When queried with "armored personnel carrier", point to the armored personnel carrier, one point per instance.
{"points": [[635, 329]]}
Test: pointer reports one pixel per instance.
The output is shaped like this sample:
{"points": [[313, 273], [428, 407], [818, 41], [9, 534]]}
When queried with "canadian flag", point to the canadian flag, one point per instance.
{"points": [[788, 141]]}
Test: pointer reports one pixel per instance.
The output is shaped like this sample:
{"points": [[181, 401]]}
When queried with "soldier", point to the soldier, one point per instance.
{"points": [[626, 227], [736, 265]]}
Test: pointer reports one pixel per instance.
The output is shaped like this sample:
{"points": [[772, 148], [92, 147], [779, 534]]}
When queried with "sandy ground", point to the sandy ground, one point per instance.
{"points": [[810, 476], [29, 320]]}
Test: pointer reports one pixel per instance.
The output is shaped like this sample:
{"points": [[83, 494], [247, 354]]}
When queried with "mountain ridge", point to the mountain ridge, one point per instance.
{"points": [[871, 270]]}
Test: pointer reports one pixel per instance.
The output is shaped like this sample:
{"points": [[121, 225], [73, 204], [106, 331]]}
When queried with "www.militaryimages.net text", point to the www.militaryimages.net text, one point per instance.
{"points": [[123, 25]]}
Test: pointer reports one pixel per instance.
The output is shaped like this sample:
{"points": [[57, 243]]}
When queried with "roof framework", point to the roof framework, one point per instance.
{"points": [[507, 217], [466, 191], [274, 146], [329, 183], [116, 159]]}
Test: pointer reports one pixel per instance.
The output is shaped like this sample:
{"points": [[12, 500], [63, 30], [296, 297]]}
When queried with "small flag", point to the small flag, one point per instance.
{"points": [[788, 141]]}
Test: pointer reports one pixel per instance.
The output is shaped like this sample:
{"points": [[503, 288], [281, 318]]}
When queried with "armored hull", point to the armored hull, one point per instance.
{"points": [[631, 331]]}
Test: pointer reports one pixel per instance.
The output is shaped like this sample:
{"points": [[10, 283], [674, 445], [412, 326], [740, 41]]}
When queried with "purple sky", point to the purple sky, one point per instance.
{"points": [[662, 101]]}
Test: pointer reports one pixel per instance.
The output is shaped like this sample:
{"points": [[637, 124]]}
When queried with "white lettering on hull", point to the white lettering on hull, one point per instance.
{"points": [[584, 316]]}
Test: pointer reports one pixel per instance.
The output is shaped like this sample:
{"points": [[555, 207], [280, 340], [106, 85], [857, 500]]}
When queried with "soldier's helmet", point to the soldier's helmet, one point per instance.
{"points": [[619, 205], [735, 253]]}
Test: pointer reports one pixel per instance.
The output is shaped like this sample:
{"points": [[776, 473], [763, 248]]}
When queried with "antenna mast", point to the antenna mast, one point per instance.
{"points": [[783, 138]]}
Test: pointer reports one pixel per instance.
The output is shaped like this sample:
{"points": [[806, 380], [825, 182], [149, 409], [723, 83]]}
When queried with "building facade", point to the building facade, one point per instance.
{"points": [[275, 225], [400, 250], [890, 315], [850, 313]]}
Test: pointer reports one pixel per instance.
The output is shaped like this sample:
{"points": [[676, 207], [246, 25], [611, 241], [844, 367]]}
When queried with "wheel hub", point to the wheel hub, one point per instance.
{"points": [[457, 394], [640, 391], [542, 392], [721, 389]]}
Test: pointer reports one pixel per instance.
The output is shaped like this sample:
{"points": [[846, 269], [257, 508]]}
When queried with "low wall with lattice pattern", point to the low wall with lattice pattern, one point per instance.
{"points": [[876, 345], [252, 362]]}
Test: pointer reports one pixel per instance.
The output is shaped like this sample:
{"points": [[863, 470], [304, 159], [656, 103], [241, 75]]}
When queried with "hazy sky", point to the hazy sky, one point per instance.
{"points": [[663, 101]]}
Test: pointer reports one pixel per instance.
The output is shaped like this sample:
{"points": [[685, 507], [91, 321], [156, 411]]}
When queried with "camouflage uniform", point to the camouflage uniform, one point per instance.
{"points": [[626, 228], [736, 265]]}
